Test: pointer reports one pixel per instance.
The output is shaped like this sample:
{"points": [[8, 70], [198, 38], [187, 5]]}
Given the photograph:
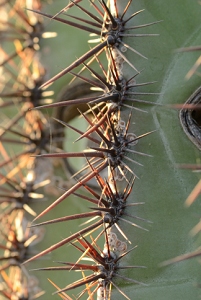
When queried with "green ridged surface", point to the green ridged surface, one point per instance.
{"points": [[162, 185]]}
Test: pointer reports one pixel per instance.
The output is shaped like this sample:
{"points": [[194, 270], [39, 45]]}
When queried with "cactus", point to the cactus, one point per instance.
{"points": [[122, 137]]}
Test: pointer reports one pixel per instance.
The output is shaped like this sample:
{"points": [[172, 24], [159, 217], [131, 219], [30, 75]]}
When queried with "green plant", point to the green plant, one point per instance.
{"points": [[162, 185]]}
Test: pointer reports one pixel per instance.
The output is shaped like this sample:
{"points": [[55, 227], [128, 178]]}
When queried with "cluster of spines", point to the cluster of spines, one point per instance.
{"points": [[106, 130], [114, 143], [27, 133]]}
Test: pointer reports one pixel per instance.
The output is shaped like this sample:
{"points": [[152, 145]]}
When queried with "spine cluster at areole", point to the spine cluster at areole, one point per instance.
{"points": [[110, 158]]}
